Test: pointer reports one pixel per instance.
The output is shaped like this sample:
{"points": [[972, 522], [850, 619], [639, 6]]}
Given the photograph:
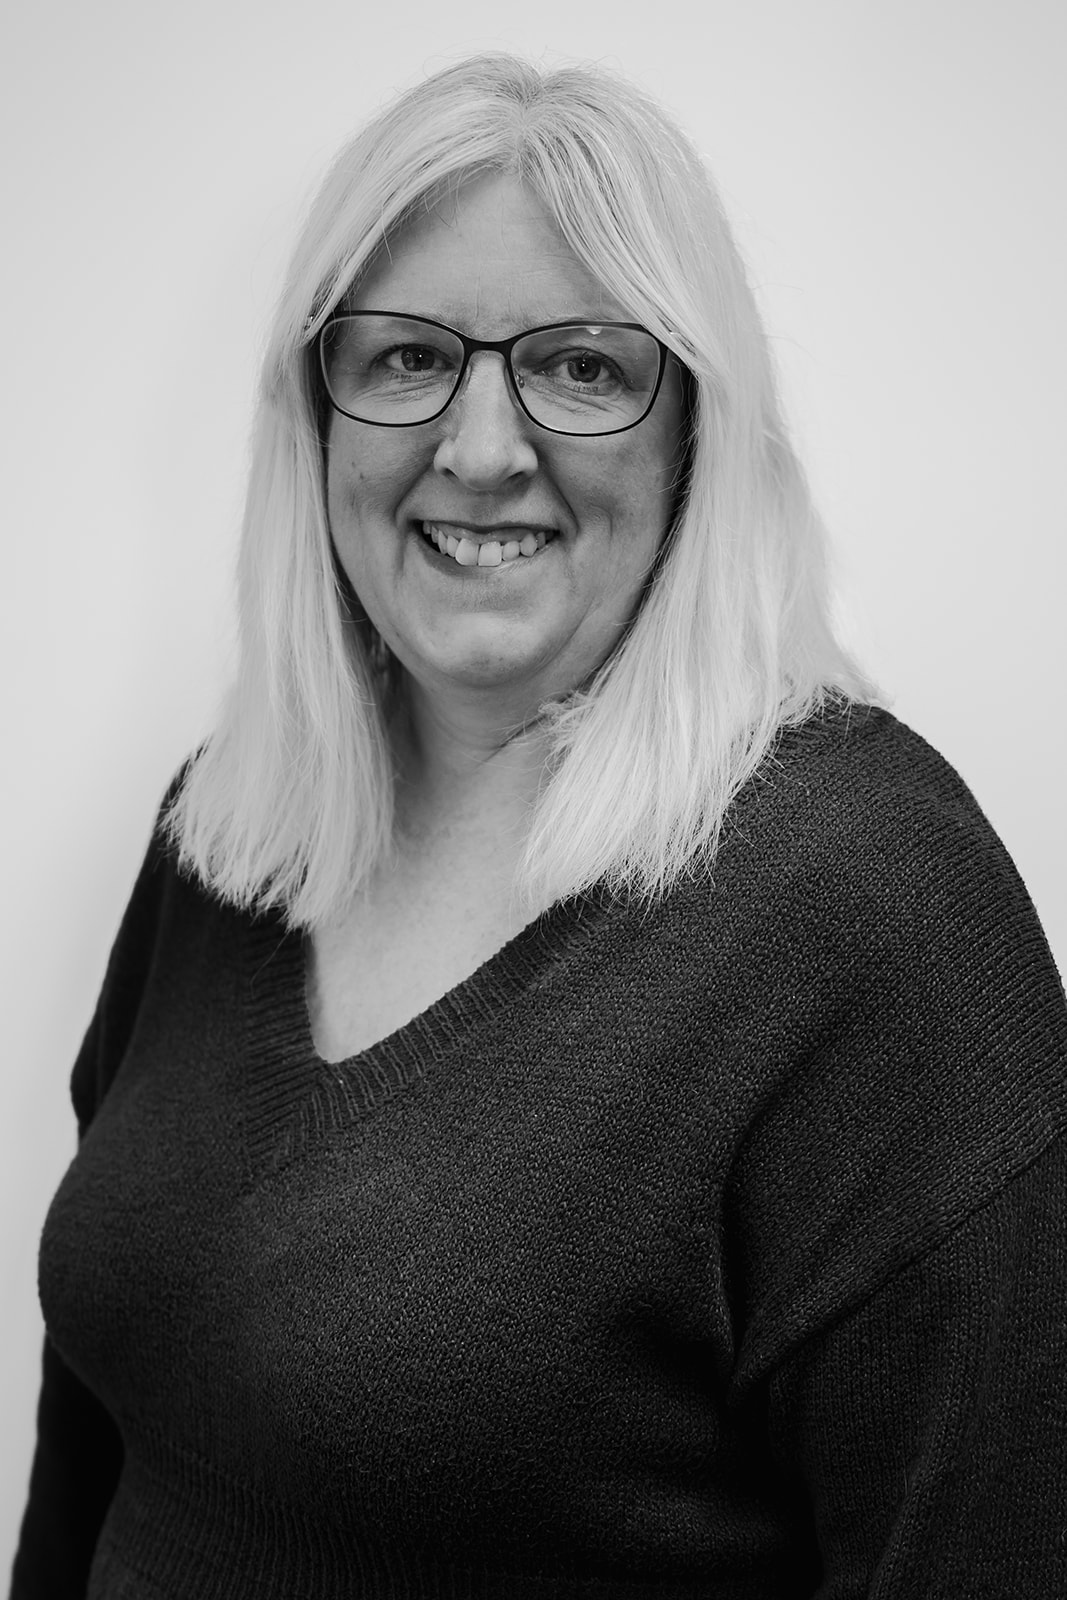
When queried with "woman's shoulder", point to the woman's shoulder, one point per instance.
{"points": [[168, 910], [865, 898], [854, 803], [860, 845], [856, 769]]}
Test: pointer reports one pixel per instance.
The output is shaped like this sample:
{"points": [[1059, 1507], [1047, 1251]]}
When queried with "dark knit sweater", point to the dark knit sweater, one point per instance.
{"points": [[717, 1251]]}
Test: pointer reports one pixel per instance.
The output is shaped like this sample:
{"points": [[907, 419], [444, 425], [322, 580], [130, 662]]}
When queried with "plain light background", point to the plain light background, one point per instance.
{"points": [[894, 172]]}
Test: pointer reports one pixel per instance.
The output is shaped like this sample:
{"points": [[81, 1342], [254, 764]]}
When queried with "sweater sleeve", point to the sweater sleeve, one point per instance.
{"points": [[75, 1470], [897, 1209], [929, 1426], [79, 1453]]}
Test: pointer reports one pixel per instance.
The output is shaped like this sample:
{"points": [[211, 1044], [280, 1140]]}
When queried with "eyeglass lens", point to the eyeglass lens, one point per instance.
{"points": [[581, 378]]}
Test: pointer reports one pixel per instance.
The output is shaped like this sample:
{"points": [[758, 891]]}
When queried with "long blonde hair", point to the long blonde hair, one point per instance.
{"points": [[290, 802]]}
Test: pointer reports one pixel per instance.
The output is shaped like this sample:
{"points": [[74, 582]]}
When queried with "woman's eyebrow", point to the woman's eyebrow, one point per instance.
{"points": [[532, 315]]}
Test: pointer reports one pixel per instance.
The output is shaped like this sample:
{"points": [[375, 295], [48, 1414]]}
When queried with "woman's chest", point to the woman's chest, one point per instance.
{"points": [[424, 1285], [400, 949]]}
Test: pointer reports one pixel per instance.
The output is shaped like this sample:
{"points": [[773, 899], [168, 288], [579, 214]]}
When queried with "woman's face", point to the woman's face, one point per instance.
{"points": [[490, 262]]}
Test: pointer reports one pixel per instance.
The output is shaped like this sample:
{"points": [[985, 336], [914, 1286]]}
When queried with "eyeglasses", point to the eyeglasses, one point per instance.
{"points": [[569, 377]]}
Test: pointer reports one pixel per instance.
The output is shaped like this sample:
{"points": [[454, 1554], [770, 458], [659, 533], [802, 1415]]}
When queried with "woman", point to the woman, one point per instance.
{"points": [[577, 1101]]}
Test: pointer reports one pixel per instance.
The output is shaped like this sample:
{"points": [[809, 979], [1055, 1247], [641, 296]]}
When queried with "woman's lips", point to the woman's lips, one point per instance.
{"points": [[486, 547]]}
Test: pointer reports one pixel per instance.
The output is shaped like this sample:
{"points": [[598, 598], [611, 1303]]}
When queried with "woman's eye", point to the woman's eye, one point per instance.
{"points": [[586, 368], [413, 358]]}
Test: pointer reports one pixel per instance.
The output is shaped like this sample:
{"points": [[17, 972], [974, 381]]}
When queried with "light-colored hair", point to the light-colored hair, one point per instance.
{"points": [[290, 802]]}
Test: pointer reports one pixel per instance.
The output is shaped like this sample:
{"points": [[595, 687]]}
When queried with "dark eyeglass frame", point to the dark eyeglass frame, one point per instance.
{"points": [[502, 347]]}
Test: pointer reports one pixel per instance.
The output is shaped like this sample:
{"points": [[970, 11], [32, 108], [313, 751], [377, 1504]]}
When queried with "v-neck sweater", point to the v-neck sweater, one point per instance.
{"points": [[709, 1249]]}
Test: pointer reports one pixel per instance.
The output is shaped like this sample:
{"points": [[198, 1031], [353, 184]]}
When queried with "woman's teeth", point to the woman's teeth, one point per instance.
{"points": [[470, 552]]}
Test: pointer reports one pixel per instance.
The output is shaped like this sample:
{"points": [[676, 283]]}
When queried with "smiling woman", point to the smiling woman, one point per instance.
{"points": [[577, 1103]]}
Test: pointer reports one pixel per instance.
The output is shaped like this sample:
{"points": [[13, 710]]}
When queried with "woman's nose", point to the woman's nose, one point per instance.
{"points": [[486, 437]]}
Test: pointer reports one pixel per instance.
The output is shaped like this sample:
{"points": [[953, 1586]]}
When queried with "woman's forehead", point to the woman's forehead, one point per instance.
{"points": [[489, 259]]}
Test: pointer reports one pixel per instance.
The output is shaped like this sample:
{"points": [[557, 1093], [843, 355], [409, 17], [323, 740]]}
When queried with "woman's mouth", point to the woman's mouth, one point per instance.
{"points": [[482, 547]]}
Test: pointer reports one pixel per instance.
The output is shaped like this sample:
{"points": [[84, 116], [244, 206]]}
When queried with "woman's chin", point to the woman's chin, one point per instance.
{"points": [[507, 674], [495, 659]]}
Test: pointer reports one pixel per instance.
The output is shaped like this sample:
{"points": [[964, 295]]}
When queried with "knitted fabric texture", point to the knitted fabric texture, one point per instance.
{"points": [[716, 1249]]}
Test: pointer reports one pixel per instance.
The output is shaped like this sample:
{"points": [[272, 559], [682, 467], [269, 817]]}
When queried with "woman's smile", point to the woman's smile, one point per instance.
{"points": [[489, 548]]}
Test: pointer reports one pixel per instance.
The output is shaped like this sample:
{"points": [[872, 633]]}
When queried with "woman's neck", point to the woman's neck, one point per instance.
{"points": [[466, 766]]}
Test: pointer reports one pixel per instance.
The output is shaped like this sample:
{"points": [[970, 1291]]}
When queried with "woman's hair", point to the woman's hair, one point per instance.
{"points": [[289, 804]]}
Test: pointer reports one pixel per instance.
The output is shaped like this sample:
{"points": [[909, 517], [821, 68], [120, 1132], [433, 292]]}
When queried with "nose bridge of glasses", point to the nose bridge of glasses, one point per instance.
{"points": [[482, 360]]}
